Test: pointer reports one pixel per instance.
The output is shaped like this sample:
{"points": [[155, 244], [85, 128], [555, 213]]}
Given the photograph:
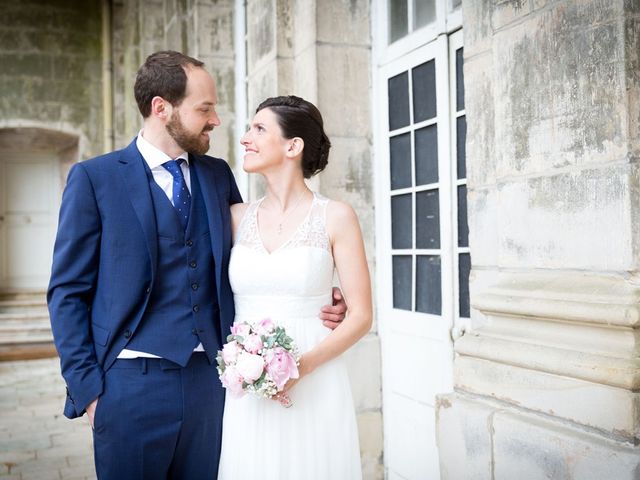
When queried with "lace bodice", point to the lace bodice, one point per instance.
{"points": [[310, 233], [295, 277]]}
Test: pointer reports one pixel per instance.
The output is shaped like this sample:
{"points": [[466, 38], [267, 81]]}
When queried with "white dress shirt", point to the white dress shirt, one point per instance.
{"points": [[155, 158]]}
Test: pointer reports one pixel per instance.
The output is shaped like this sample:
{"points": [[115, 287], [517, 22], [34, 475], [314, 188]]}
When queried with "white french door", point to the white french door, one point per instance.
{"points": [[29, 202], [422, 241]]}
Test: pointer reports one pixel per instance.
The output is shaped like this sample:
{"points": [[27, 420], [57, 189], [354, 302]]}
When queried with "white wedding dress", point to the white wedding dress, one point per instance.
{"points": [[317, 437]]}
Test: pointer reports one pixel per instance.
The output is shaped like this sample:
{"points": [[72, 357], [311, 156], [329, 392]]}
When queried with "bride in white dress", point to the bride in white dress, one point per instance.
{"points": [[282, 262]]}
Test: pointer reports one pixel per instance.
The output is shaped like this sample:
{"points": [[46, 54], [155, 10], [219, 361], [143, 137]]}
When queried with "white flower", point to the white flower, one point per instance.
{"points": [[250, 366]]}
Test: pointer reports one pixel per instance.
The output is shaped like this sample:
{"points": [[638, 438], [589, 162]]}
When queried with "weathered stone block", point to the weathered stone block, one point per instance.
{"points": [[304, 25], [306, 75], [464, 430], [529, 447], [484, 233], [342, 21], [261, 31], [370, 433], [284, 27], [580, 219], [477, 26], [550, 394], [215, 30], [508, 11], [344, 81], [632, 49], [363, 361], [480, 115], [562, 74]]}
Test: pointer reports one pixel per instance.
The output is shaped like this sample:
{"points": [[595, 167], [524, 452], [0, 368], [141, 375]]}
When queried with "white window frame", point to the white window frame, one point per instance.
{"points": [[455, 43]]}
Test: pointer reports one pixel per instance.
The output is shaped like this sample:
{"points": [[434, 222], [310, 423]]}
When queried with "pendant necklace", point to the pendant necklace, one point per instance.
{"points": [[286, 214]]}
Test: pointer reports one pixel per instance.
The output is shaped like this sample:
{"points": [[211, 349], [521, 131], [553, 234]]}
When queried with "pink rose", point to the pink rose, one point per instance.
{"points": [[253, 343], [240, 329], [250, 366], [264, 326], [230, 352], [232, 381], [281, 366]]}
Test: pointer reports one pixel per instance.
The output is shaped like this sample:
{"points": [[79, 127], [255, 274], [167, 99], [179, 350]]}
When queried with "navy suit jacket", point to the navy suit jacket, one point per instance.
{"points": [[105, 261]]}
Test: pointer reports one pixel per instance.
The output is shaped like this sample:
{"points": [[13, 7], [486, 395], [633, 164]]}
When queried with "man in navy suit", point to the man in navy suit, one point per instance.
{"points": [[139, 296]]}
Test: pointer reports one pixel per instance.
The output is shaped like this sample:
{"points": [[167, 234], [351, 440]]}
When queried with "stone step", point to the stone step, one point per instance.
{"points": [[35, 295], [25, 331], [38, 316], [22, 302], [16, 306]]}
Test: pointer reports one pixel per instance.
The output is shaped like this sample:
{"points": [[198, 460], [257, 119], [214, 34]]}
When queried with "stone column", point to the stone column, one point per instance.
{"points": [[321, 52], [546, 383]]}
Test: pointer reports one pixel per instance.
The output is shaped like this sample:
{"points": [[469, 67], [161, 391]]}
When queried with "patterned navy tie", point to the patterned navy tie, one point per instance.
{"points": [[181, 196]]}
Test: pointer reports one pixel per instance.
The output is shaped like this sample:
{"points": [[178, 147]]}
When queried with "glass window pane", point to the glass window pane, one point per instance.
{"points": [[427, 155], [424, 12], [398, 19], [399, 101], [400, 150], [424, 91], [464, 267], [459, 80], [402, 274], [401, 215], [427, 219], [461, 149], [463, 226], [428, 284]]}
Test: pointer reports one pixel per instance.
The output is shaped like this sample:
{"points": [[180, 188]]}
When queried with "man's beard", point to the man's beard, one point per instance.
{"points": [[189, 142]]}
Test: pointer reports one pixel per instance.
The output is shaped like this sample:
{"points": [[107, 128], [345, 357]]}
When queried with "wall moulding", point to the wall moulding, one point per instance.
{"points": [[577, 297], [575, 325]]}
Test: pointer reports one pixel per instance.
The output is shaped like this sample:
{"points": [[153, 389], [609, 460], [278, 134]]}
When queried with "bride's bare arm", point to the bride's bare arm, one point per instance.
{"points": [[351, 264]]}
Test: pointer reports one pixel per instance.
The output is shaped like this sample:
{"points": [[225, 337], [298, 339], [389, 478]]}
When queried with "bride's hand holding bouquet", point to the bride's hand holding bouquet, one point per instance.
{"points": [[259, 359]]}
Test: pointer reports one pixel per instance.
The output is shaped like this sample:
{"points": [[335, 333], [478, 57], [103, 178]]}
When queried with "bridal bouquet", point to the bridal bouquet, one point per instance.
{"points": [[258, 359]]}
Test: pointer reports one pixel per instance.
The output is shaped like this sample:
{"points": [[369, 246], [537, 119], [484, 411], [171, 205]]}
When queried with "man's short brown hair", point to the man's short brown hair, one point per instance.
{"points": [[162, 75]]}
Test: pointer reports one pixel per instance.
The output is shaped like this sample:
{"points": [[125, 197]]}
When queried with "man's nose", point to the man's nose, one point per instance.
{"points": [[215, 119]]}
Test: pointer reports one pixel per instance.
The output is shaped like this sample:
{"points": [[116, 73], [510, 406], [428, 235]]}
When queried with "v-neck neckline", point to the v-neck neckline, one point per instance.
{"points": [[291, 237]]}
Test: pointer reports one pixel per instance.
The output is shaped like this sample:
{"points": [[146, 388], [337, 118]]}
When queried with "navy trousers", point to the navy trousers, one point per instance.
{"points": [[157, 420]]}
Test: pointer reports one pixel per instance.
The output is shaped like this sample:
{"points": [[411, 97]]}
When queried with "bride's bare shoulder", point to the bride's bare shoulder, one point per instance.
{"points": [[237, 212], [338, 216], [239, 208]]}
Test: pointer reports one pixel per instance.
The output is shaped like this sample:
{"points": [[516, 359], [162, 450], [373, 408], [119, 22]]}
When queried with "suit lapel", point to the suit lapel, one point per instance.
{"points": [[137, 187], [212, 200]]}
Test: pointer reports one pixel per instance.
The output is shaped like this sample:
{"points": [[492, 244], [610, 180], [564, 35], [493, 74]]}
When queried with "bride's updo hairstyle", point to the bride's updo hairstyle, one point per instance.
{"points": [[299, 118]]}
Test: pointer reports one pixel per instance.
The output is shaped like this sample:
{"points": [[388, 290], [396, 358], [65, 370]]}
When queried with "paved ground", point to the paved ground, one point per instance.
{"points": [[36, 440]]}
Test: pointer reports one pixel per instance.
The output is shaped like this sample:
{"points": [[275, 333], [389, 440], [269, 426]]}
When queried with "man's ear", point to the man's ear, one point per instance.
{"points": [[295, 147], [160, 108]]}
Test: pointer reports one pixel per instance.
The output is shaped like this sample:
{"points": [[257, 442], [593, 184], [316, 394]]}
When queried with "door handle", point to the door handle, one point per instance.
{"points": [[457, 332]]}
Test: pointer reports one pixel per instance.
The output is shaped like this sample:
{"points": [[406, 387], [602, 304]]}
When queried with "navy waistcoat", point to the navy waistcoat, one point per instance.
{"points": [[183, 306]]}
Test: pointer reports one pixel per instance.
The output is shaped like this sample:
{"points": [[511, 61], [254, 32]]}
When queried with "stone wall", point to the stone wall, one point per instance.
{"points": [[547, 381], [321, 52], [202, 29], [51, 75]]}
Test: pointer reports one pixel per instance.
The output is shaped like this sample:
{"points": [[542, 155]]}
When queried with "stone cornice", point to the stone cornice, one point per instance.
{"points": [[573, 325]]}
